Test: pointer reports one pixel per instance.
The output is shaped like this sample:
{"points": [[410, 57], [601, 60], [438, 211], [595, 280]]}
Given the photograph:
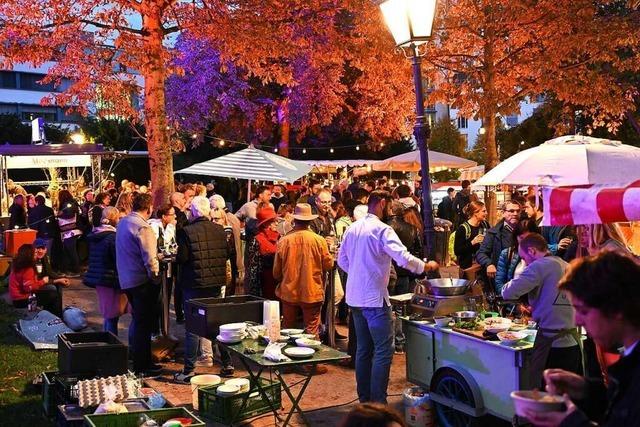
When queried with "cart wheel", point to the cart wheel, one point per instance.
{"points": [[450, 384]]}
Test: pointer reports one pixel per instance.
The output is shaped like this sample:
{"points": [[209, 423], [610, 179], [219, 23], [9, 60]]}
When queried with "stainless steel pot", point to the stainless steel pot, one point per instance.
{"points": [[448, 287], [464, 316]]}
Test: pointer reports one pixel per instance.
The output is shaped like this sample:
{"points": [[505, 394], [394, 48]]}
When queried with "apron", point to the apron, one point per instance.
{"points": [[542, 348]]}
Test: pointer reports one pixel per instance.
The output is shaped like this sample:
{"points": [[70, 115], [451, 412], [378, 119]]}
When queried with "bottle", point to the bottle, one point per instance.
{"points": [[33, 302]]}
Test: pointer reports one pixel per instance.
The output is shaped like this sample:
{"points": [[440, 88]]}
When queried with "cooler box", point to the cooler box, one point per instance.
{"points": [[98, 354], [203, 316], [13, 239]]}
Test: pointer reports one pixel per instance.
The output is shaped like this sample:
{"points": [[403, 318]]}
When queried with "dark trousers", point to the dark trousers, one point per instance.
{"points": [[48, 297], [143, 300], [71, 262]]}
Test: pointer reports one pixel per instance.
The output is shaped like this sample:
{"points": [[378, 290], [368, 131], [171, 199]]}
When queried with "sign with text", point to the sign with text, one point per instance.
{"points": [[31, 162]]}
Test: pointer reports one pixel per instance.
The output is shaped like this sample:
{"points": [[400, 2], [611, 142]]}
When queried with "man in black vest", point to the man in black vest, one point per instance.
{"points": [[202, 256]]}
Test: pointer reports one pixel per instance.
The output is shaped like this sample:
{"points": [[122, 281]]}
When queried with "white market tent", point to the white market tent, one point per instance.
{"points": [[410, 162], [567, 161], [251, 164]]}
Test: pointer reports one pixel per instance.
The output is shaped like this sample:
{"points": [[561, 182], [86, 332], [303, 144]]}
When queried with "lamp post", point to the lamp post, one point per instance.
{"points": [[410, 23]]}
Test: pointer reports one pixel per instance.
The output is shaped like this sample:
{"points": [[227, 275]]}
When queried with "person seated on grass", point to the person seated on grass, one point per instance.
{"points": [[24, 281]]}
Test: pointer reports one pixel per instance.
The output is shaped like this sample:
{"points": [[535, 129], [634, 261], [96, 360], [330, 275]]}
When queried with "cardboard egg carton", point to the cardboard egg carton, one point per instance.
{"points": [[100, 390]]}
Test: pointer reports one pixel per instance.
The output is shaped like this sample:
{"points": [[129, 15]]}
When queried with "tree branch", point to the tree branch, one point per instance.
{"points": [[95, 24]]}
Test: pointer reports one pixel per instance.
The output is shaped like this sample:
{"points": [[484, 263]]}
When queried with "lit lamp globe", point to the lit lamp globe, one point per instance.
{"points": [[409, 21]]}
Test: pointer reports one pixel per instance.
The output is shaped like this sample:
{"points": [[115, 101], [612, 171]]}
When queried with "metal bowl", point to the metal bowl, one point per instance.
{"points": [[464, 316], [449, 287]]}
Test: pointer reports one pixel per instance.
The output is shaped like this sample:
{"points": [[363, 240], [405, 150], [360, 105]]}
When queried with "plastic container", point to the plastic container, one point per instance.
{"points": [[201, 381], [232, 409], [131, 419], [99, 354], [417, 407], [49, 393], [203, 316]]}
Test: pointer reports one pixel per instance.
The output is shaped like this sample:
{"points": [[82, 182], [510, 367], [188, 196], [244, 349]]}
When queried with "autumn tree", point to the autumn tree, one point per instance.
{"points": [[446, 138]]}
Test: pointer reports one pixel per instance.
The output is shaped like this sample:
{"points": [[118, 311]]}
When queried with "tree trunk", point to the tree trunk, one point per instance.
{"points": [[155, 116], [285, 125]]}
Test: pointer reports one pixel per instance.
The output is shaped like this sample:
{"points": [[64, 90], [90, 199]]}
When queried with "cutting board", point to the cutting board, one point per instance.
{"points": [[475, 334]]}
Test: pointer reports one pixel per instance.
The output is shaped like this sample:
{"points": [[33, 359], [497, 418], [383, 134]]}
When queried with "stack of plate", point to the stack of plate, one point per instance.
{"points": [[227, 390], [232, 332], [243, 383]]}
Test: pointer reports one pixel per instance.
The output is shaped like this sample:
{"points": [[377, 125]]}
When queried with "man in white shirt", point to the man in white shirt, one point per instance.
{"points": [[368, 246]]}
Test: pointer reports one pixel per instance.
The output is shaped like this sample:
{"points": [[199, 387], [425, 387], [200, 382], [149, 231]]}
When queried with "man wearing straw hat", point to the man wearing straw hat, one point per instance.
{"points": [[301, 259]]}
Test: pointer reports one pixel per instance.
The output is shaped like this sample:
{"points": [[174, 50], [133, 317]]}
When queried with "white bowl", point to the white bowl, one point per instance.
{"points": [[227, 390], [511, 338], [228, 340], [291, 331], [524, 401], [232, 335], [243, 383], [442, 321], [233, 327], [305, 342], [299, 352], [495, 325]]}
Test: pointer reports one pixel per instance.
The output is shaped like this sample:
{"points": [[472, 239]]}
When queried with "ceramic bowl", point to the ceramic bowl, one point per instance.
{"points": [[442, 321], [536, 401], [511, 338]]}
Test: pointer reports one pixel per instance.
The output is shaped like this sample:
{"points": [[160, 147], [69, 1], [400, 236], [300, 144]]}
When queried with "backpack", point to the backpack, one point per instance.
{"points": [[452, 239]]}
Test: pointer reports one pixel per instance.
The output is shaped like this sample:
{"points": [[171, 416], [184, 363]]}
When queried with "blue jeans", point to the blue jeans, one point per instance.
{"points": [[374, 331], [192, 341], [111, 325]]}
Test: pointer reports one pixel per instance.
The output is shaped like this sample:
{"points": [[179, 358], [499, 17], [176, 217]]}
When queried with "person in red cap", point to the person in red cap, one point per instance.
{"points": [[261, 252]]}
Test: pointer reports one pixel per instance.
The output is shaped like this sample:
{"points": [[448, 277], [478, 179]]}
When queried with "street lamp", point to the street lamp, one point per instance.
{"points": [[411, 23]]}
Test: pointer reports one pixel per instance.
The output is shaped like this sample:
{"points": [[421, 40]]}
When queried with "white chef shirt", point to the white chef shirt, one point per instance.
{"points": [[368, 246]]}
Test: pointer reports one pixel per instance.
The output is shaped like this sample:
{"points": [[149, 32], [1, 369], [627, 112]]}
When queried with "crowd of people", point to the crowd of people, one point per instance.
{"points": [[284, 244]]}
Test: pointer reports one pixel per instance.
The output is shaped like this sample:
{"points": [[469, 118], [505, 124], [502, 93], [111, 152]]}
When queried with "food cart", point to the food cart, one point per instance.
{"points": [[469, 373], [467, 376]]}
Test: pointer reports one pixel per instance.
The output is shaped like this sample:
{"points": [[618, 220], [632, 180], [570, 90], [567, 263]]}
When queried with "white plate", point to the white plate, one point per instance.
{"points": [[305, 342], [232, 335], [233, 327], [229, 341], [517, 336], [243, 383], [299, 352], [291, 331], [227, 390]]}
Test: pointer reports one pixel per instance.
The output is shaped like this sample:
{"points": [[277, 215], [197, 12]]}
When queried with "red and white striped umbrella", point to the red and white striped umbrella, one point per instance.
{"points": [[595, 204]]}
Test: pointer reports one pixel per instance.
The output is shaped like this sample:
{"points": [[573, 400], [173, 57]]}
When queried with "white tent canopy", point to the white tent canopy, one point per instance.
{"points": [[410, 162], [567, 161], [252, 164]]}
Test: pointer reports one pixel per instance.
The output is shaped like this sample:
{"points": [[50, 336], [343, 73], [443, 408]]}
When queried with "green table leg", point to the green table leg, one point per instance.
{"points": [[294, 400], [254, 379]]}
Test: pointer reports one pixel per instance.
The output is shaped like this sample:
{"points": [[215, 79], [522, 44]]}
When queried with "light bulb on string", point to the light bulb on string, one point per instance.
{"points": [[304, 151], [331, 150], [194, 136], [221, 143], [275, 150], [381, 144], [357, 148]]}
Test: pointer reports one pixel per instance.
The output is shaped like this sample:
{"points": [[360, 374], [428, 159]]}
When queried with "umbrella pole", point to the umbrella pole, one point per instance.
{"points": [[249, 191]]}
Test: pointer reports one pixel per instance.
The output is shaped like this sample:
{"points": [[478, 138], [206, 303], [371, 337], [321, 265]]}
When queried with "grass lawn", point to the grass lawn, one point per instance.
{"points": [[20, 401]]}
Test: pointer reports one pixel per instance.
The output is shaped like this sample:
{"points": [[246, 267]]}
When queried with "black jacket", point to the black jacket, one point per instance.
{"points": [[445, 209], [496, 239], [462, 199], [202, 254], [616, 405], [17, 217], [43, 220], [102, 259], [410, 237]]}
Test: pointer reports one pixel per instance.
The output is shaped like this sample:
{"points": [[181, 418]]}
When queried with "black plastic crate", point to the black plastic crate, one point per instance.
{"points": [[66, 388], [99, 354], [203, 316], [49, 393], [231, 409]]}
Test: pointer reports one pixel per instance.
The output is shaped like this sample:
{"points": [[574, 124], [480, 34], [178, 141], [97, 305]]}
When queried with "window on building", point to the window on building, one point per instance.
{"points": [[431, 119], [512, 121], [540, 98], [29, 81], [48, 114], [463, 123], [8, 80]]}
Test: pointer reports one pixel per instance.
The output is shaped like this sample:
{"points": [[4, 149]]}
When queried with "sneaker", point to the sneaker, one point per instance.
{"points": [[399, 350], [183, 377], [204, 361], [227, 371]]}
